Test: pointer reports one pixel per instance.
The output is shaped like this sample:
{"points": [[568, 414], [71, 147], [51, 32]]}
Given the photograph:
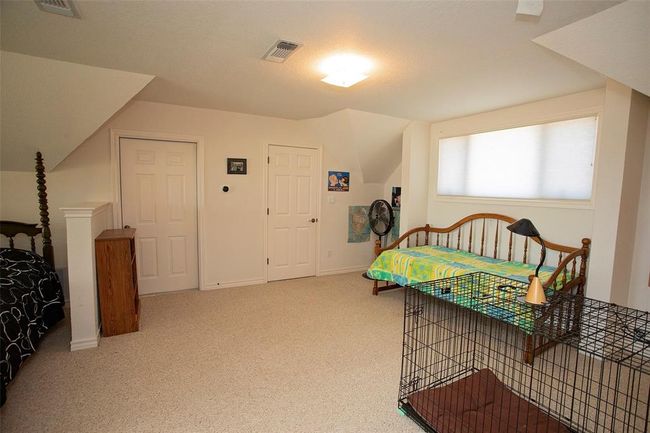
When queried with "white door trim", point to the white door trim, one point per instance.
{"points": [[265, 177], [116, 135]]}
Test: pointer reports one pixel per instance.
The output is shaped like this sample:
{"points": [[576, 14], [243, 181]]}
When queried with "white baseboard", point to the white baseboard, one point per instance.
{"points": [[227, 285], [241, 283], [345, 270], [85, 343]]}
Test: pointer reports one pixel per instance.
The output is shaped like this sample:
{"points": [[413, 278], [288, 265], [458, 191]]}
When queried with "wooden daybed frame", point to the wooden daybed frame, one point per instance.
{"points": [[569, 276], [12, 228]]}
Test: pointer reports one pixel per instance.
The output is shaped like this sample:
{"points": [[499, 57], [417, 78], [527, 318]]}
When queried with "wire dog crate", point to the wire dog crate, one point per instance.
{"points": [[463, 369]]}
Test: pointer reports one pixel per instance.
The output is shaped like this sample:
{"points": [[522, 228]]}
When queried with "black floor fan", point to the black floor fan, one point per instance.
{"points": [[381, 218]]}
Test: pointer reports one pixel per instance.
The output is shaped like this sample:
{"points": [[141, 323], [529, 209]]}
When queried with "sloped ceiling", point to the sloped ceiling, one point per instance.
{"points": [[615, 42], [358, 140], [434, 59], [377, 140], [53, 106]]}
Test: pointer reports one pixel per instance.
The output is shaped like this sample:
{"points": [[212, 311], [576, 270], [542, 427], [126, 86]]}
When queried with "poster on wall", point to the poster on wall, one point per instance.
{"points": [[396, 197], [394, 231], [236, 165], [358, 224], [338, 181]]}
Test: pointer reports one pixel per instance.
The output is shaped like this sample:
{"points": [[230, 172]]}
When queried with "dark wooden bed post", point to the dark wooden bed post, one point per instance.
{"points": [[48, 250], [375, 284]]}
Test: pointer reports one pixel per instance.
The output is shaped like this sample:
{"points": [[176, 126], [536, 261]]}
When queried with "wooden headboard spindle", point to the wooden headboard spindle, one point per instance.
{"points": [[48, 250], [10, 229], [496, 240], [510, 248], [525, 250], [483, 238], [573, 269], [559, 260], [471, 229]]}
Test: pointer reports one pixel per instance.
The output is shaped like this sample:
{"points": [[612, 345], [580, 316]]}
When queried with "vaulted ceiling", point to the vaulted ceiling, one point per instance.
{"points": [[615, 42], [53, 106], [434, 60]]}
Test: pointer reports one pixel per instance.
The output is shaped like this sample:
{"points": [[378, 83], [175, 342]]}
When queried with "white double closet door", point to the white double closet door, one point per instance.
{"points": [[159, 200]]}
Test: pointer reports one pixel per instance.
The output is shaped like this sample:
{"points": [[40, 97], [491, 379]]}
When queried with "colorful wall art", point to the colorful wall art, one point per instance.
{"points": [[358, 224]]}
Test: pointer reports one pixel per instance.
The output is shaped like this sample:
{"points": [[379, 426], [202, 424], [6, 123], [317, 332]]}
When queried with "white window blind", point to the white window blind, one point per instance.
{"points": [[546, 161]]}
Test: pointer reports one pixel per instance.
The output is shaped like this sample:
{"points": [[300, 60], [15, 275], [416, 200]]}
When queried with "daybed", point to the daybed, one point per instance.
{"points": [[31, 298], [478, 243]]}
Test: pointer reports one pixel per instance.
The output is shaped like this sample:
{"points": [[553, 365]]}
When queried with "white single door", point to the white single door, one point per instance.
{"points": [[158, 182], [292, 212]]}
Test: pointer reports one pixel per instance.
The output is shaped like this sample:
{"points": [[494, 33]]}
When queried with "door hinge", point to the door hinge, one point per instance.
{"points": [[267, 260], [268, 159], [267, 211]]}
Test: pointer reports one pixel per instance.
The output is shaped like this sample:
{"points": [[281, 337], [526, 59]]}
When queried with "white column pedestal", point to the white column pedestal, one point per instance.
{"points": [[84, 222]]}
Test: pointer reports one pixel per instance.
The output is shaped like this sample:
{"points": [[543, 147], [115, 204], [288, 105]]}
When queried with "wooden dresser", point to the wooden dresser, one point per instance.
{"points": [[117, 281]]}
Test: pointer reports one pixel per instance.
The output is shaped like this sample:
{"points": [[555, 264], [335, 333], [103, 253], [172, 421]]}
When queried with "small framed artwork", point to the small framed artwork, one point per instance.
{"points": [[338, 181], [396, 197], [236, 165]]}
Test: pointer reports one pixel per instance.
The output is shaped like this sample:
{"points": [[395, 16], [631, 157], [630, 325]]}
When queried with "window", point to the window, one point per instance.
{"points": [[547, 161]]}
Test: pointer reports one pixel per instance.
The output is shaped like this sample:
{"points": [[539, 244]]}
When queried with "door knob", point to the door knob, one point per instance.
{"points": [[313, 220]]}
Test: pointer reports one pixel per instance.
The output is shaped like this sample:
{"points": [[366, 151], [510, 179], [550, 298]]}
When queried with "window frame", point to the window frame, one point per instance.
{"points": [[453, 131]]}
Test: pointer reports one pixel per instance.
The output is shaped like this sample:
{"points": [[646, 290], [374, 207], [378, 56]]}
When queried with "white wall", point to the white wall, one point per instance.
{"points": [[337, 255], [234, 221], [560, 223], [395, 179], [340, 137], [630, 198], [639, 296], [608, 188], [83, 176], [609, 219], [415, 175]]}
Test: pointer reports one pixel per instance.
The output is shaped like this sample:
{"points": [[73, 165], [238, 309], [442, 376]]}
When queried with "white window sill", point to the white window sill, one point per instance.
{"points": [[562, 204]]}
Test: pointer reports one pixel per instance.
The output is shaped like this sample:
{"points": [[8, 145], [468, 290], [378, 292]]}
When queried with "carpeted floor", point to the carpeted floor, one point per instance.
{"points": [[308, 355]]}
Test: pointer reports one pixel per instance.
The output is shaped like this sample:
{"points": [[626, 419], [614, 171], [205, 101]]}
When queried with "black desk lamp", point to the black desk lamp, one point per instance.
{"points": [[535, 293]]}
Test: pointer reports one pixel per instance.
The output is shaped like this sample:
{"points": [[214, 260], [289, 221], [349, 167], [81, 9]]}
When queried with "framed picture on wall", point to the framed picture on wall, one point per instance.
{"points": [[236, 165], [396, 197], [338, 181]]}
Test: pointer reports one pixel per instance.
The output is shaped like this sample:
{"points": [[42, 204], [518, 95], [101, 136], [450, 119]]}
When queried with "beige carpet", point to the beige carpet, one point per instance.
{"points": [[308, 355]]}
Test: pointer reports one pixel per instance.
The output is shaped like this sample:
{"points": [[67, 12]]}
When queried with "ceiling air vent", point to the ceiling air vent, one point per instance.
{"points": [[59, 7], [280, 51]]}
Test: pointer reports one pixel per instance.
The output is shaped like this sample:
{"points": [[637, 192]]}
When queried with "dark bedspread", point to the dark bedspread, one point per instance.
{"points": [[31, 301]]}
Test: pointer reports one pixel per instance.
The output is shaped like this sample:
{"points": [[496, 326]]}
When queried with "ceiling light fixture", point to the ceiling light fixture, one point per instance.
{"points": [[345, 70], [530, 7]]}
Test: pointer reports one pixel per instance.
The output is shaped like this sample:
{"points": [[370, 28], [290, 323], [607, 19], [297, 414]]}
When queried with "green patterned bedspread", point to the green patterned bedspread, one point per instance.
{"points": [[410, 266]]}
